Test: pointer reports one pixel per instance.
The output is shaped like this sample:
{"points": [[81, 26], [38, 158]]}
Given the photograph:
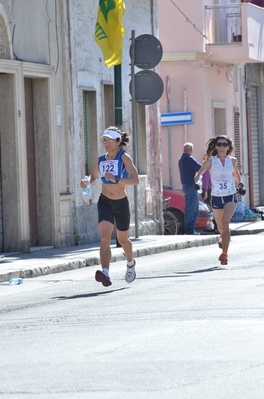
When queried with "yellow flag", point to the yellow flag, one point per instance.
{"points": [[109, 30]]}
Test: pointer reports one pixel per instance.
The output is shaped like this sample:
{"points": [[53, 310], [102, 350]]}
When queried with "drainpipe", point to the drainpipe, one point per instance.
{"points": [[185, 109], [169, 131]]}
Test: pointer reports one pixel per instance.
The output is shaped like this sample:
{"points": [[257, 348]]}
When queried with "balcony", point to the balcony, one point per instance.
{"points": [[235, 33]]}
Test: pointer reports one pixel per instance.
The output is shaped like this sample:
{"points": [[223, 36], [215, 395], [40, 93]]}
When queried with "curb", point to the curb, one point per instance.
{"points": [[54, 265], [81, 262], [245, 232]]}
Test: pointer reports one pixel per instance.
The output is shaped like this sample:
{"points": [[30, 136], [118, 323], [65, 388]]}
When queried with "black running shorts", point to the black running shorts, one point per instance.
{"points": [[219, 202], [114, 211]]}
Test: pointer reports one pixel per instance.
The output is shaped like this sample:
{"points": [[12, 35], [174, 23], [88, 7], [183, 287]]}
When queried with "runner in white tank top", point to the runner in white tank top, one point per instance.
{"points": [[224, 175], [223, 182]]}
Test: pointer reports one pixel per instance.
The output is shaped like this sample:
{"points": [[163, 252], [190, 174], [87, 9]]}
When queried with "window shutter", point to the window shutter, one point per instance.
{"points": [[85, 133], [237, 138]]}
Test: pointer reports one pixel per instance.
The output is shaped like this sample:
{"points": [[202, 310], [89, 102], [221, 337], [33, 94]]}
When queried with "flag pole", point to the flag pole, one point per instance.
{"points": [[134, 126]]}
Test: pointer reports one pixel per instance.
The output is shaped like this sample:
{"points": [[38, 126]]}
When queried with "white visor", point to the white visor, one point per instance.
{"points": [[112, 134]]}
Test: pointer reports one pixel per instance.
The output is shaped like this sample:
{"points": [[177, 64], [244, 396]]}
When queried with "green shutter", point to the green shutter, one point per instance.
{"points": [[118, 96], [85, 132]]}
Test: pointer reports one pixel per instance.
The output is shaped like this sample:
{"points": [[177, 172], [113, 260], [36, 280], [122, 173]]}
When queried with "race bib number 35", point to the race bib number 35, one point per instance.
{"points": [[222, 185], [110, 166]]}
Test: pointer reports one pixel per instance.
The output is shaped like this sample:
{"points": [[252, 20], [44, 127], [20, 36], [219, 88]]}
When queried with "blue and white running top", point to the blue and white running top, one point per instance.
{"points": [[114, 166], [223, 182]]}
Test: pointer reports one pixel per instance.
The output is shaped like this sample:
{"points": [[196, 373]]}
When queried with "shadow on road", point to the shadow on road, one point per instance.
{"points": [[184, 274], [210, 269], [88, 295]]}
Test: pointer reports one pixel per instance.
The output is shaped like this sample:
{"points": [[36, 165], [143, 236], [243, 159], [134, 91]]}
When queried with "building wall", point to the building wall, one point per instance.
{"points": [[175, 31], [196, 85], [51, 43], [202, 87], [86, 71], [27, 48]]}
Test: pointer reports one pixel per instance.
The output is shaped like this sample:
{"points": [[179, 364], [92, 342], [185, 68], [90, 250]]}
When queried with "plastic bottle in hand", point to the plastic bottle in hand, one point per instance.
{"points": [[200, 182], [86, 190], [199, 185]]}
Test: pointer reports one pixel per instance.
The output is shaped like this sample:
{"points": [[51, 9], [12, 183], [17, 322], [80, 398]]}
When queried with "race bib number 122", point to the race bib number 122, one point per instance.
{"points": [[110, 166]]}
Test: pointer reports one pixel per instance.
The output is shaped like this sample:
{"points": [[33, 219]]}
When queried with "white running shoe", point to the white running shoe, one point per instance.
{"points": [[130, 273]]}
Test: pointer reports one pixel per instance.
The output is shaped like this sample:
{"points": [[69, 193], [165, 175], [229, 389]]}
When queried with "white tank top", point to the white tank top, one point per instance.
{"points": [[223, 182]]}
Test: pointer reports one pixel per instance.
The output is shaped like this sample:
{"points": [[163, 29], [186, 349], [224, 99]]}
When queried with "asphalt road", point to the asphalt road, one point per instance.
{"points": [[186, 328]]}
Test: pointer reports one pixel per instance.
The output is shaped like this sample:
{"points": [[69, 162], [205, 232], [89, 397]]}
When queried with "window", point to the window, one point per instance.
{"points": [[219, 113]]}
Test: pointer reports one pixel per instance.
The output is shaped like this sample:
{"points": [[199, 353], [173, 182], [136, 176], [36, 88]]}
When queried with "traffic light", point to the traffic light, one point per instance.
{"points": [[145, 53]]}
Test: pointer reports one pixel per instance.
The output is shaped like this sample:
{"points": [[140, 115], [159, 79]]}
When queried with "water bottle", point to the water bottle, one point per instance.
{"points": [[15, 281], [234, 217], [241, 210], [86, 190], [200, 184], [237, 213]]}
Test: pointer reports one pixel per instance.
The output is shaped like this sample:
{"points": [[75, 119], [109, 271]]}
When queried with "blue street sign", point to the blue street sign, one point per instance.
{"points": [[177, 118]]}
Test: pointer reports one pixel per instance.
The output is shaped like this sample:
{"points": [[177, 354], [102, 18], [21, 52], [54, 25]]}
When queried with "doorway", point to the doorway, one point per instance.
{"points": [[31, 162]]}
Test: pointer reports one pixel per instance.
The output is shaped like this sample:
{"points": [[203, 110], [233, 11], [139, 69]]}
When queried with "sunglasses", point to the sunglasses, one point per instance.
{"points": [[108, 141], [222, 145]]}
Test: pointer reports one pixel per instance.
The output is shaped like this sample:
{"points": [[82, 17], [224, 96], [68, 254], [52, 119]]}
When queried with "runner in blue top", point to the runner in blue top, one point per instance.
{"points": [[116, 170]]}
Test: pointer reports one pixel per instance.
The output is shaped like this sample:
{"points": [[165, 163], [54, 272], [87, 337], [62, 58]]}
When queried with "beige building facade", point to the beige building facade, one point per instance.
{"points": [[57, 97]]}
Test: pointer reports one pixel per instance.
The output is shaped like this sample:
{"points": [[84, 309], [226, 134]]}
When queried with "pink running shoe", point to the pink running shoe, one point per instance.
{"points": [[102, 278], [223, 259]]}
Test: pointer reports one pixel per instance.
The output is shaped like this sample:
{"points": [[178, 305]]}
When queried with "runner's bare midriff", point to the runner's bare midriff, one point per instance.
{"points": [[114, 191]]}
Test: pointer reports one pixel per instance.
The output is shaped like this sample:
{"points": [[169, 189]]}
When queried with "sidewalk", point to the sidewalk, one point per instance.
{"points": [[55, 260]]}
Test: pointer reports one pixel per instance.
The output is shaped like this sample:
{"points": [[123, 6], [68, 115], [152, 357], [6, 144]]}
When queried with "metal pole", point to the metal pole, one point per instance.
{"points": [[185, 109], [134, 125], [170, 151], [168, 94]]}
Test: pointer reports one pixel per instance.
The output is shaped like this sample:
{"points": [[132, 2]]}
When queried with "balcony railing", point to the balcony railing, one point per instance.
{"points": [[223, 24]]}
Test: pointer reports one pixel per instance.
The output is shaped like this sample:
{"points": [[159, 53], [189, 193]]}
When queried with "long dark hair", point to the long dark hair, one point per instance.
{"points": [[124, 136], [211, 144]]}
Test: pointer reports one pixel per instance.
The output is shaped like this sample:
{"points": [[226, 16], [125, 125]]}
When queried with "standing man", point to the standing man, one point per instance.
{"points": [[188, 166]]}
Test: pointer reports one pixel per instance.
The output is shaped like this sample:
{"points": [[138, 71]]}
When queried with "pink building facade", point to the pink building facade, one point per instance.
{"points": [[212, 67]]}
